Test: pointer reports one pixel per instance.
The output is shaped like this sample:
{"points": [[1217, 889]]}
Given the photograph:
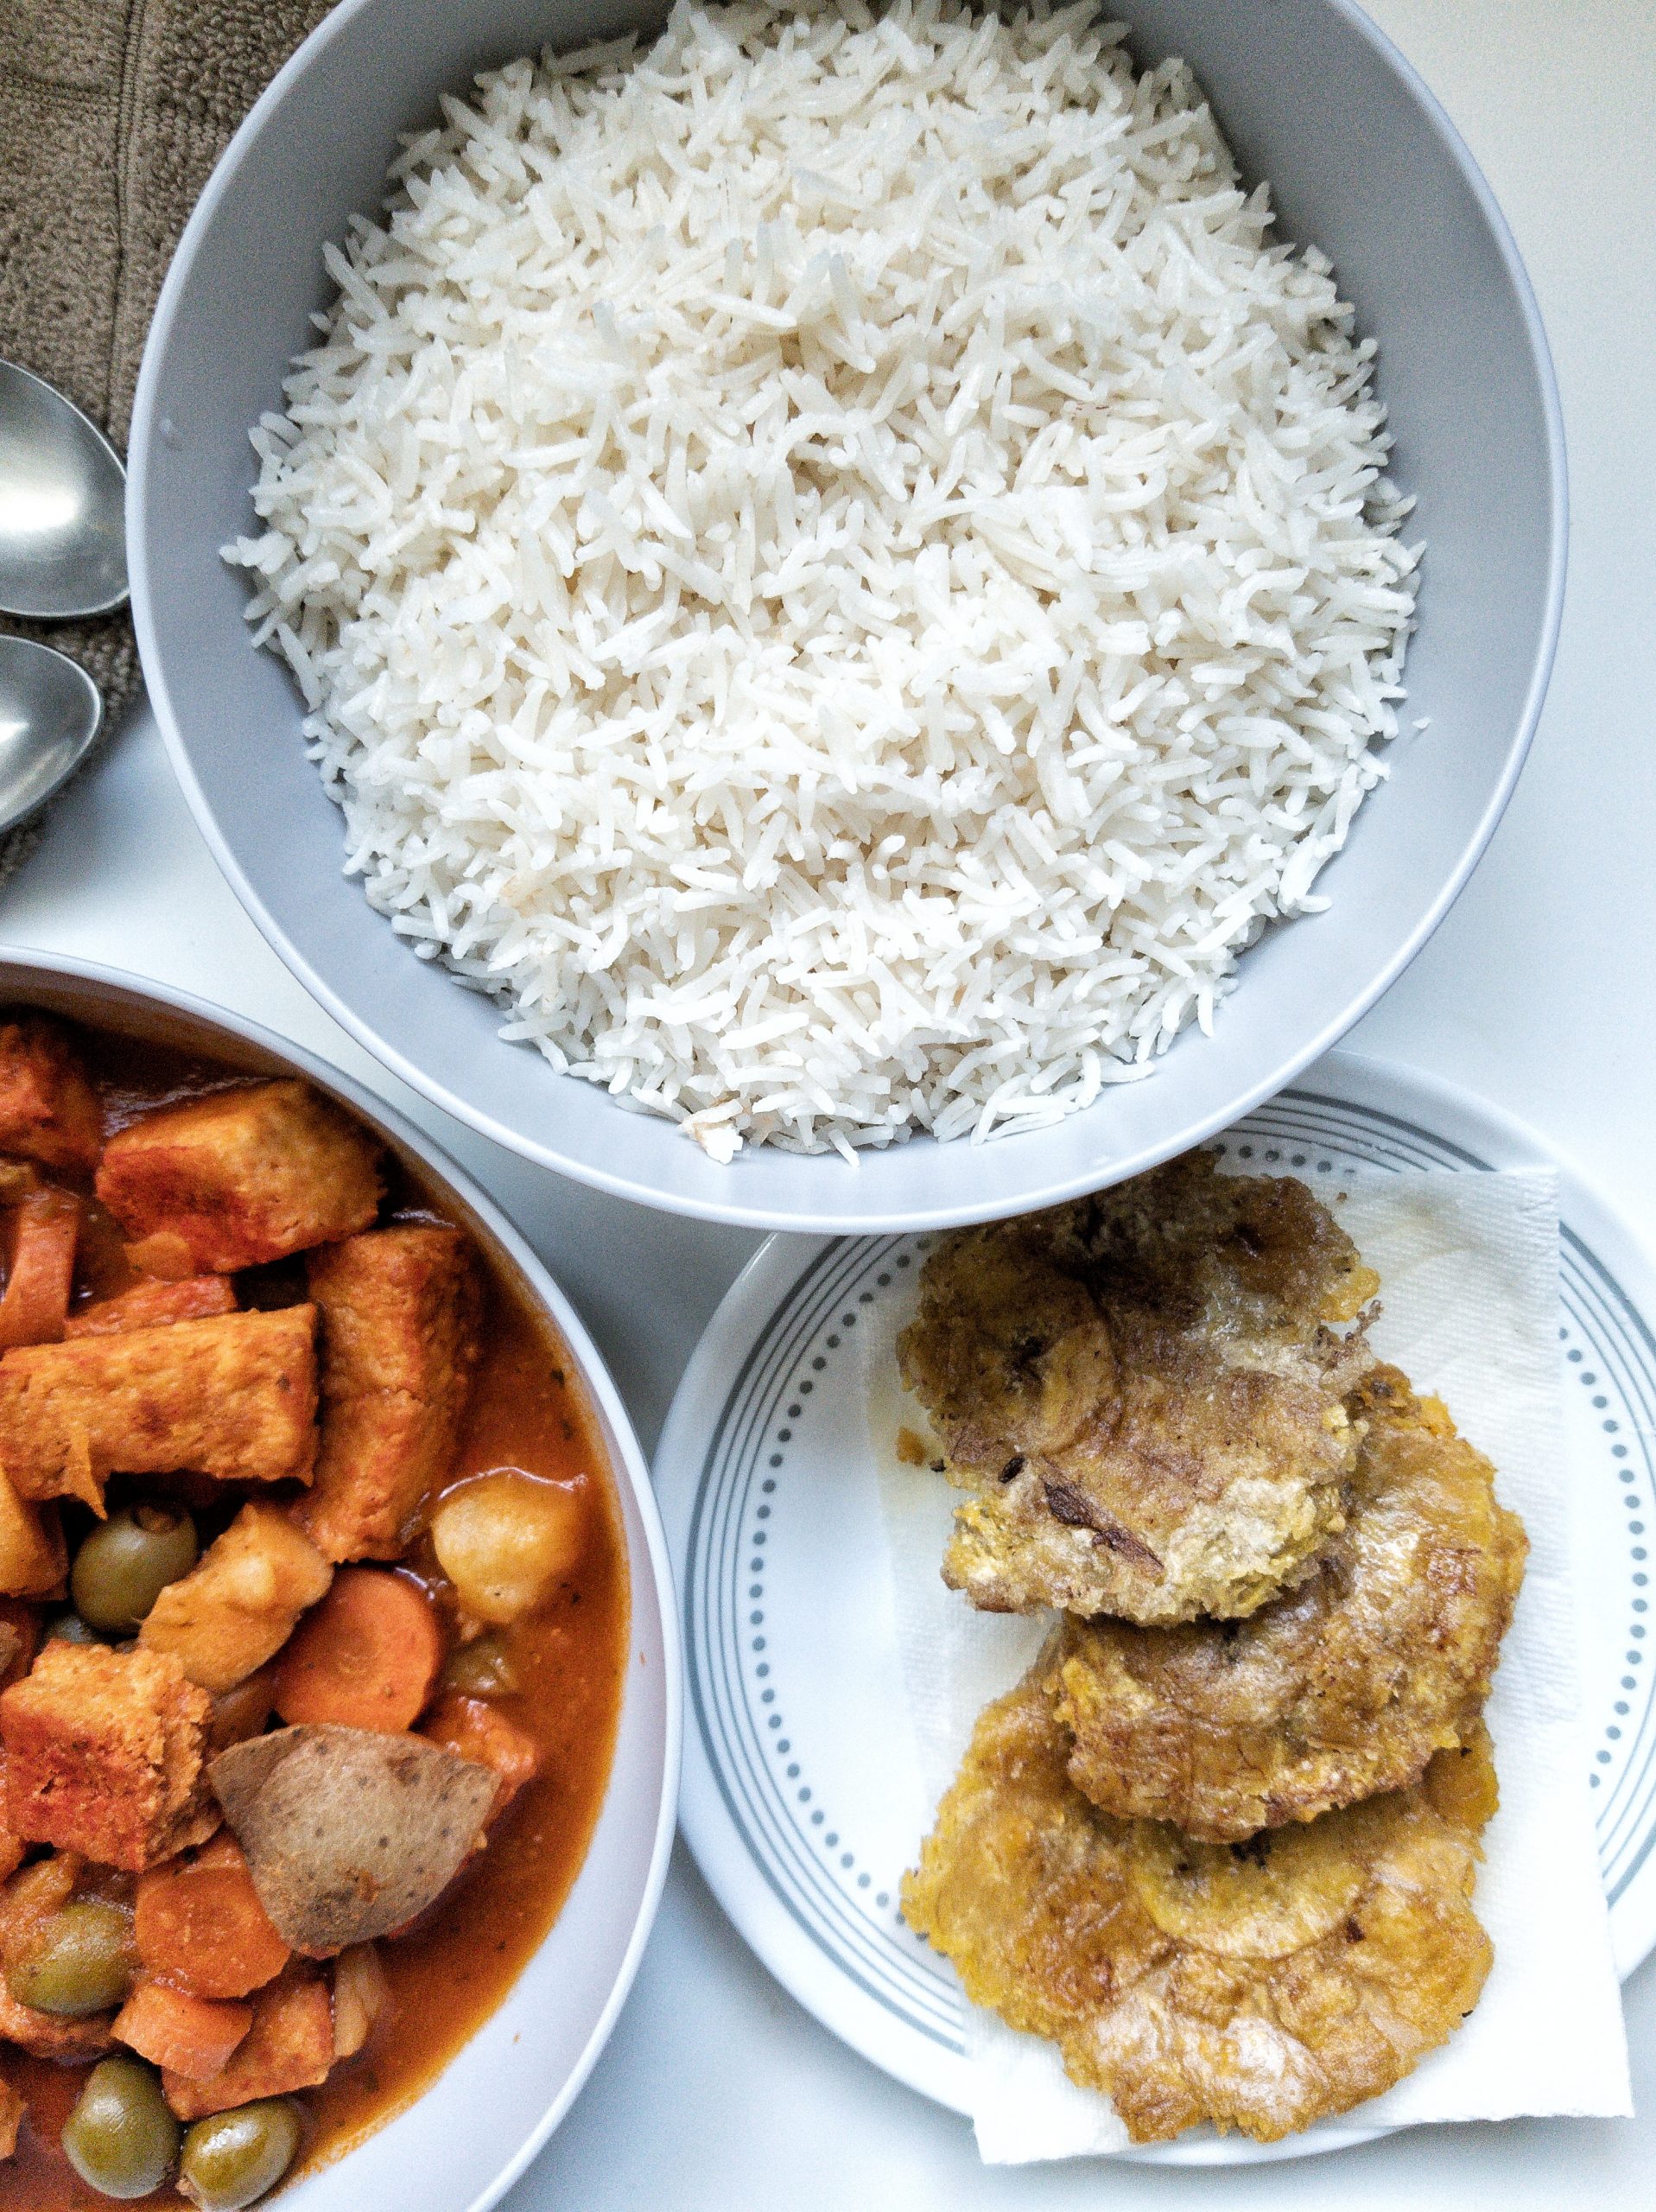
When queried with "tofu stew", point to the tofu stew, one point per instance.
{"points": [[314, 1628]]}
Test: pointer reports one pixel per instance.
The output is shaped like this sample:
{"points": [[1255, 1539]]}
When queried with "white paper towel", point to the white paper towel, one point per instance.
{"points": [[1468, 1267]]}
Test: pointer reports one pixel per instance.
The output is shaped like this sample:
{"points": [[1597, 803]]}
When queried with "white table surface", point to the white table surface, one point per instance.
{"points": [[717, 2091]]}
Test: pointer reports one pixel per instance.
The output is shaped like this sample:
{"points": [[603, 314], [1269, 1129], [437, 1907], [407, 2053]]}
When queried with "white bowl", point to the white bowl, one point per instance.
{"points": [[1362, 162], [469, 2136]]}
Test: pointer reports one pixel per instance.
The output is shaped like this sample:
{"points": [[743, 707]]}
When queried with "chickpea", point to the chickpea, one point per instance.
{"points": [[505, 1538]]}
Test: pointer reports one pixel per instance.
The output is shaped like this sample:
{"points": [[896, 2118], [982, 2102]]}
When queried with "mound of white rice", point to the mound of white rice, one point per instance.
{"points": [[833, 566]]}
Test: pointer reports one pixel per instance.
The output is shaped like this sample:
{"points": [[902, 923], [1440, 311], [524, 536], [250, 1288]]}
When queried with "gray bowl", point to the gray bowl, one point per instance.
{"points": [[1363, 163]]}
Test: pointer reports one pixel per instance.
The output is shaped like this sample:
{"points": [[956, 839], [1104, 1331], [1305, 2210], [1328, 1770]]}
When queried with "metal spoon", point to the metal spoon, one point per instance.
{"points": [[50, 710], [62, 489]]}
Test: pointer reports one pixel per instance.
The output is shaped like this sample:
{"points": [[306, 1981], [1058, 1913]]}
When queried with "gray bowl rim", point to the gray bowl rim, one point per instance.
{"points": [[22, 966], [826, 1218]]}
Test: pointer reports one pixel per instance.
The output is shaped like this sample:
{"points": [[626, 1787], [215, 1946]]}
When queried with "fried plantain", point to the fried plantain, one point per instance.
{"points": [[1144, 1390], [1259, 1986], [1345, 1686]]}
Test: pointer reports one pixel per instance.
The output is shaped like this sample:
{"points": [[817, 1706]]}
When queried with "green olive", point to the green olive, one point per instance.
{"points": [[126, 1563], [120, 2138], [82, 1963], [236, 2156], [481, 1668], [69, 1628]]}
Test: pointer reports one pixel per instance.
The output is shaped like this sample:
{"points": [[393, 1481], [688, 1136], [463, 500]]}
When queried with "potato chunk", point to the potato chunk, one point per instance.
{"points": [[104, 1755], [238, 1178], [400, 1313], [234, 1398], [238, 1605], [504, 1540], [48, 1111]]}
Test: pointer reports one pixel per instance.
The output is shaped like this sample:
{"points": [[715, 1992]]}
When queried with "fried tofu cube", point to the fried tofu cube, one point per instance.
{"points": [[155, 1305], [48, 1111], [237, 1606], [233, 1397], [35, 1306], [33, 1559], [104, 1753], [289, 2046], [401, 1316], [239, 1178]]}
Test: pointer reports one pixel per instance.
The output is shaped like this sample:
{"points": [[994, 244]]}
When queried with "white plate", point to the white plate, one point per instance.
{"points": [[801, 1798]]}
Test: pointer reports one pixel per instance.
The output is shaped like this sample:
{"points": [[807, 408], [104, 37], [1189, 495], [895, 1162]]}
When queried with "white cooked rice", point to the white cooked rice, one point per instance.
{"points": [[834, 567]]}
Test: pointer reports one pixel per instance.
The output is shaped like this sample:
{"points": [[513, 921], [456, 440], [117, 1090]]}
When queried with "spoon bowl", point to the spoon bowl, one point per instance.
{"points": [[50, 712], [62, 490]]}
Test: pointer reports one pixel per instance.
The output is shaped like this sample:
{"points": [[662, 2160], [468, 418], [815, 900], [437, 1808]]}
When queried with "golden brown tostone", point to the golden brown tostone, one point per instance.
{"points": [[1144, 1390], [1345, 1686], [1260, 1987]]}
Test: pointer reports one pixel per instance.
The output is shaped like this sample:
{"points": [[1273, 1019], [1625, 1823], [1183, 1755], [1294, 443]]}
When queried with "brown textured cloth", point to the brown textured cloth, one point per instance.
{"points": [[113, 112]]}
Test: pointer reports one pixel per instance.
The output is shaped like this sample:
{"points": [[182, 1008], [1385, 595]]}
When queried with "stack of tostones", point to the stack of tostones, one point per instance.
{"points": [[1220, 1844]]}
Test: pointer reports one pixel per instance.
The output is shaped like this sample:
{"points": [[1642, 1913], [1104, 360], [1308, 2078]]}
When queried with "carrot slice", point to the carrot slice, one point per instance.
{"points": [[365, 1657], [36, 1301], [189, 2035], [198, 1923]]}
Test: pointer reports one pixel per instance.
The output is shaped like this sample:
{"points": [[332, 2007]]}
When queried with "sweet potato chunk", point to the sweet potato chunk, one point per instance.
{"points": [[154, 1306], [223, 1620], [238, 1178], [189, 2035], [48, 1111], [33, 1560], [35, 1306], [349, 1833], [104, 1755], [400, 1317], [234, 1398], [289, 2046]]}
